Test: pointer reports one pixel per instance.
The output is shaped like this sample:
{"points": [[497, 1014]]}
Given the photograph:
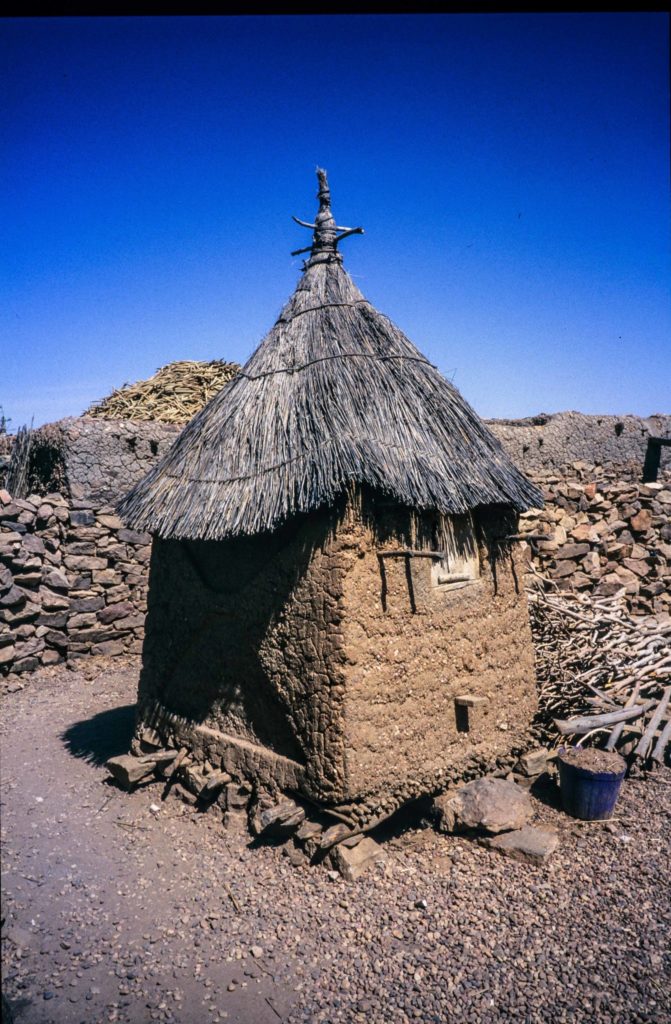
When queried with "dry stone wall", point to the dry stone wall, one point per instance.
{"points": [[73, 581], [603, 530]]}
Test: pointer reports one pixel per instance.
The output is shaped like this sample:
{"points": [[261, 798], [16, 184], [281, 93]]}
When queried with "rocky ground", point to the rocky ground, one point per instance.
{"points": [[126, 908]]}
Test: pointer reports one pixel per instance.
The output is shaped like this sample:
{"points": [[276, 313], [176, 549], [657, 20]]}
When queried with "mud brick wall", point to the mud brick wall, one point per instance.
{"points": [[554, 441], [95, 459], [405, 665], [605, 530], [73, 581], [289, 650], [243, 637]]}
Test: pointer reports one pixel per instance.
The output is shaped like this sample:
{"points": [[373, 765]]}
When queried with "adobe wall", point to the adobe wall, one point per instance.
{"points": [[552, 441], [96, 460], [243, 639], [286, 659], [413, 649]]}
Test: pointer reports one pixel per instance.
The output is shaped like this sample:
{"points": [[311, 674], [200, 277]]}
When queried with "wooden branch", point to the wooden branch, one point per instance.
{"points": [[648, 736], [346, 232], [662, 743], [304, 224], [410, 553], [576, 726]]}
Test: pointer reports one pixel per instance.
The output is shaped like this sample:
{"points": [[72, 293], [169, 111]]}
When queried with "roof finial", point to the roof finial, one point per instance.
{"points": [[325, 238]]}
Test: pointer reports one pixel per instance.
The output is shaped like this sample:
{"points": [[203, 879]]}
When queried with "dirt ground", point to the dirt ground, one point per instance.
{"points": [[122, 907]]}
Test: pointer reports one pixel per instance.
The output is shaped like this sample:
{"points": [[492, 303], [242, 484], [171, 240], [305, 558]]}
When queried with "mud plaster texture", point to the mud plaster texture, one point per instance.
{"points": [[407, 663], [554, 441], [293, 660], [98, 460]]}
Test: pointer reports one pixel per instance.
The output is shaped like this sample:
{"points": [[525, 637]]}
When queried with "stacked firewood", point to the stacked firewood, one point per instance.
{"points": [[604, 675]]}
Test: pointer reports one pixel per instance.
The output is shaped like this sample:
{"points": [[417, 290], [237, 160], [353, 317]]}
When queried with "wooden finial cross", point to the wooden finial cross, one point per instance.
{"points": [[325, 239]]}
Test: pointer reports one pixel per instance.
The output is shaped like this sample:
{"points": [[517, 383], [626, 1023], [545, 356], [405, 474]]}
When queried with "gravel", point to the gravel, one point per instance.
{"points": [[115, 912]]}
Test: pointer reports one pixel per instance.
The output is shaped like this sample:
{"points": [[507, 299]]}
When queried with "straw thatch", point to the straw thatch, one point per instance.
{"points": [[335, 394], [174, 394]]}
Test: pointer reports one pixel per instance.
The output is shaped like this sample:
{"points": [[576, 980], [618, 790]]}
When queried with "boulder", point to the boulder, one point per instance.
{"points": [[487, 805]]}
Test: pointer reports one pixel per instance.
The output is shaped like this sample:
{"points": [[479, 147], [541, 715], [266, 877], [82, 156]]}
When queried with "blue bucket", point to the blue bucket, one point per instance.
{"points": [[587, 793]]}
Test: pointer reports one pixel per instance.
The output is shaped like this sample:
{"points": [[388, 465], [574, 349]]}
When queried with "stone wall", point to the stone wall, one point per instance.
{"points": [[73, 582], [87, 458], [605, 530], [589, 502], [554, 441]]}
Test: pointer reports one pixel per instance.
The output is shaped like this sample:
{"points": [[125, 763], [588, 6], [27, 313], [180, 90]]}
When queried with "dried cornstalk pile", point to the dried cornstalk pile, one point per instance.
{"points": [[174, 394], [604, 675]]}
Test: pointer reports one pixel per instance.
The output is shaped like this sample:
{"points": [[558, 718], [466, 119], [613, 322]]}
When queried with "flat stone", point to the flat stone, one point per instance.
{"points": [[534, 845], [110, 648], [534, 762], [192, 778], [6, 655], [637, 566], [13, 597], [489, 805], [84, 563], [352, 862], [133, 537], [83, 517], [56, 580], [52, 602], [641, 522], [115, 611], [110, 522], [572, 551], [129, 770], [33, 544]]}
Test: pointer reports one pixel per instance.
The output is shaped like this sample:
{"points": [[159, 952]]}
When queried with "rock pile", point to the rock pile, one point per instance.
{"points": [[494, 810], [497, 813], [73, 582], [602, 533]]}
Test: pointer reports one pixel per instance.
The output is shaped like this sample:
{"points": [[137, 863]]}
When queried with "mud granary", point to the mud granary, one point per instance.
{"points": [[334, 604]]}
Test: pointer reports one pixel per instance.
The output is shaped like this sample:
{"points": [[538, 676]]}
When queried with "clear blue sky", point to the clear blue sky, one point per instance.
{"points": [[511, 173]]}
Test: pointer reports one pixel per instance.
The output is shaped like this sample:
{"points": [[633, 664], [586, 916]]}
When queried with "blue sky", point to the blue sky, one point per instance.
{"points": [[511, 173]]}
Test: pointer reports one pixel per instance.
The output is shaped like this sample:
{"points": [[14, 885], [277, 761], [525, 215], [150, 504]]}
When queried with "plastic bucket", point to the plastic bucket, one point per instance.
{"points": [[587, 793]]}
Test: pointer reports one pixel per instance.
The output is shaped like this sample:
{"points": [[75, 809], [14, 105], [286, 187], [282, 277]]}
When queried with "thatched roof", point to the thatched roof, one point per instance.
{"points": [[174, 394], [334, 394]]}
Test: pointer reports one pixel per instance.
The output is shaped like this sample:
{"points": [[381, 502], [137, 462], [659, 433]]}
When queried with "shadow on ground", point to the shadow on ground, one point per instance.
{"points": [[105, 735], [546, 789]]}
